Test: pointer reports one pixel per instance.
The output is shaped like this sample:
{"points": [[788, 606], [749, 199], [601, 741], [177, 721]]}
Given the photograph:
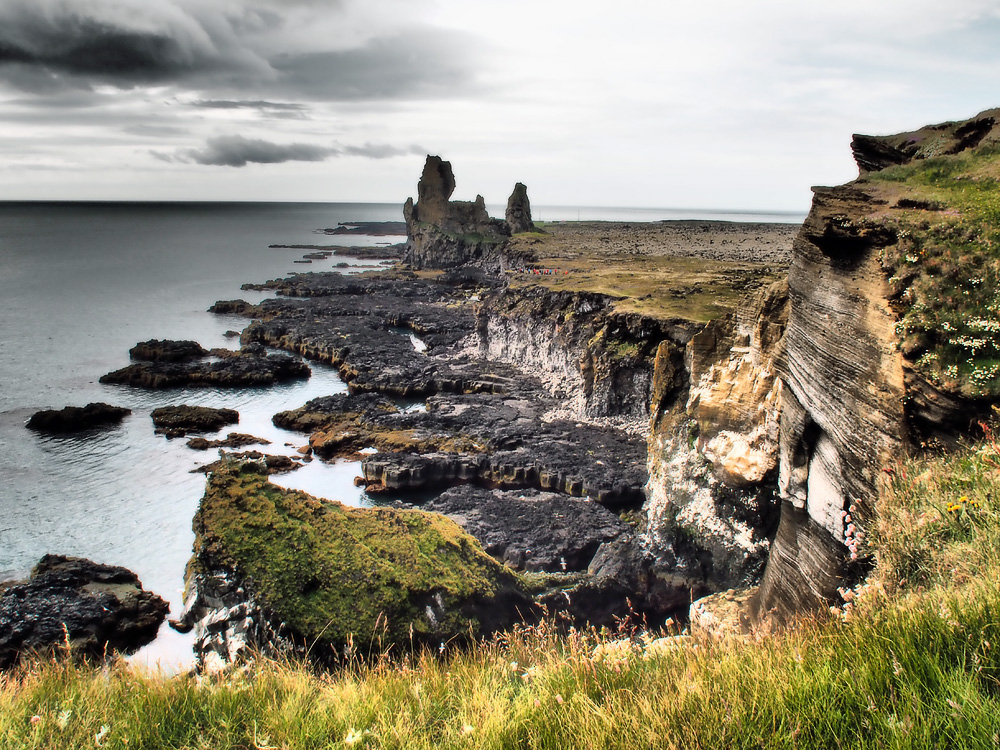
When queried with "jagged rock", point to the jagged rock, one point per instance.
{"points": [[232, 440], [165, 350], [442, 233], [76, 418], [235, 307], [320, 578], [531, 530], [230, 370], [179, 420], [518, 213], [67, 600]]}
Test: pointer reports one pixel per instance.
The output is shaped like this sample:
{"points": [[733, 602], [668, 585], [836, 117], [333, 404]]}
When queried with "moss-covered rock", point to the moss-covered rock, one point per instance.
{"points": [[333, 575]]}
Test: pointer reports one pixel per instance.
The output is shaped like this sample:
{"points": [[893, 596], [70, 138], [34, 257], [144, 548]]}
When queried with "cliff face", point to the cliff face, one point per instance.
{"points": [[598, 361], [713, 447], [891, 341]]}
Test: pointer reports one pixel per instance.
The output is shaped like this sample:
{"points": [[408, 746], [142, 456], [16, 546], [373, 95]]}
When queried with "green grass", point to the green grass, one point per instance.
{"points": [[945, 269], [912, 662]]}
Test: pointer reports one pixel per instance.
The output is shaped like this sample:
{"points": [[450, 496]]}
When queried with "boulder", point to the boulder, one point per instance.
{"points": [[92, 608], [77, 418]]}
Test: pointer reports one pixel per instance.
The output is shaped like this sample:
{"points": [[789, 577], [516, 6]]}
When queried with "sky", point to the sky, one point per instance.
{"points": [[714, 104]]}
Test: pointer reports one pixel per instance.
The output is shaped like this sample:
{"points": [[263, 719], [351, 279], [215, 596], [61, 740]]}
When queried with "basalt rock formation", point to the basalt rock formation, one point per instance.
{"points": [[442, 233], [891, 342], [251, 366], [165, 350], [73, 603], [177, 421], [518, 214], [77, 418]]}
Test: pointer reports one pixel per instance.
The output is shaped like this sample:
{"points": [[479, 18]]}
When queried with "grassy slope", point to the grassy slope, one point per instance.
{"points": [[914, 662]]}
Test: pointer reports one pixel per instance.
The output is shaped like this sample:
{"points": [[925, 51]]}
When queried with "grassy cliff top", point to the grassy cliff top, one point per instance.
{"points": [[944, 270], [692, 270], [332, 572]]}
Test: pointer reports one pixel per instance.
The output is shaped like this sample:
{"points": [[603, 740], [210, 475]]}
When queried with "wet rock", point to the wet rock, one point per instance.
{"points": [[229, 370], [263, 463], [232, 440], [177, 421], [165, 350], [76, 418], [94, 608]]}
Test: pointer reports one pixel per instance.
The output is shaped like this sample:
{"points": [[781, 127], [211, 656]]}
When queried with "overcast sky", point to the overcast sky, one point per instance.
{"points": [[722, 104]]}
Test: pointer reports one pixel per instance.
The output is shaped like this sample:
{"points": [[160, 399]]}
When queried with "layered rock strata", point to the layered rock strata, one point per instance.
{"points": [[889, 342]]}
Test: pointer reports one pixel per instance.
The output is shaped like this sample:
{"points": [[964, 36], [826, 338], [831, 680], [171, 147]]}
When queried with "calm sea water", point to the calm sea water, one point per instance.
{"points": [[82, 283]]}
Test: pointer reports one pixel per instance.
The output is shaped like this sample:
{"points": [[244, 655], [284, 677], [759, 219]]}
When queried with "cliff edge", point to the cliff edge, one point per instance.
{"points": [[892, 344]]}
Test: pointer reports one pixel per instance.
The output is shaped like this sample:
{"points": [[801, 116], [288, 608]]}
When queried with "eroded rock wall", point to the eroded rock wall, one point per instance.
{"points": [[713, 447], [599, 362]]}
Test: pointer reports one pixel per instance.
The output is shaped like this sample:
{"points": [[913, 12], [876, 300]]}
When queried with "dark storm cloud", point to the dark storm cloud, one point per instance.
{"points": [[237, 151], [423, 63], [219, 50]]}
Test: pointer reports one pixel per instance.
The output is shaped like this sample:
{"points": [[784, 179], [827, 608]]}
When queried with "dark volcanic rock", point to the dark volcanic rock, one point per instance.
{"points": [[94, 607], [76, 418], [165, 350], [232, 440], [231, 370], [531, 530], [443, 233], [518, 213], [182, 419]]}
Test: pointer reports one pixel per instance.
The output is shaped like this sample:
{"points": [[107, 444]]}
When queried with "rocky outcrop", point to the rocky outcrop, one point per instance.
{"points": [[75, 604], [277, 569], [77, 418], [165, 350], [518, 214], [251, 366], [442, 233], [177, 421], [232, 440]]}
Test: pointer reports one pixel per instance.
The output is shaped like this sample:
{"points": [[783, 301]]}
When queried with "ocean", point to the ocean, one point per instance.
{"points": [[81, 283]]}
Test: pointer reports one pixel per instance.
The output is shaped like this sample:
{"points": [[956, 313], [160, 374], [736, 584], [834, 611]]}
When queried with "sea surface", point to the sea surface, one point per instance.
{"points": [[81, 283]]}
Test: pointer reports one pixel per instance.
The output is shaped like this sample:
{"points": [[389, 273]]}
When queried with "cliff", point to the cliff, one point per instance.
{"points": [[892, 341]]}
